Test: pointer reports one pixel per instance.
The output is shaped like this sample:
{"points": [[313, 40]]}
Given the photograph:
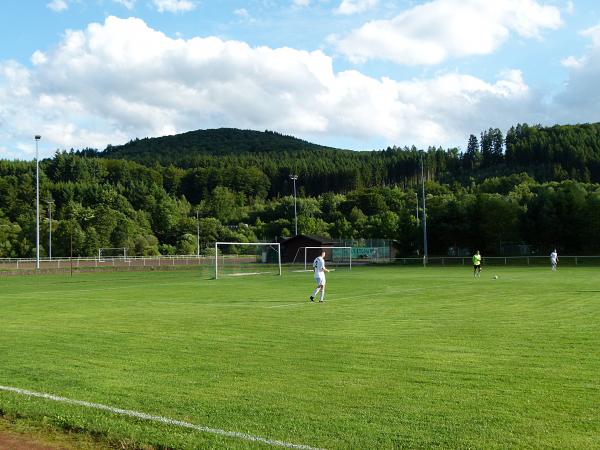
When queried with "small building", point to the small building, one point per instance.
{"points": [[293, 248]]}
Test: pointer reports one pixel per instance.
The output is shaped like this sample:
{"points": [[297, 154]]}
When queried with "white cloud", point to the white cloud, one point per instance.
{"points": [[569, 7], [174, 6], [301, 3], [580, 100], [38, 58], [583, 62], [348, 7], [244, 16], [26, 109], [58, 5], [433, 32], [594, 34], [242, 12], [572, 62], [129, 4], [121, 79]]}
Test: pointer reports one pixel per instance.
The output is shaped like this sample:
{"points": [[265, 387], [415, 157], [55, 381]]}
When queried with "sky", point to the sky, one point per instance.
{"points": [[356, 74]]}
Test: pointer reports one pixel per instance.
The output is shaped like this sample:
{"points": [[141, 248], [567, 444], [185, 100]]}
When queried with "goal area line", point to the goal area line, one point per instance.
{"points": [[159, 419]]}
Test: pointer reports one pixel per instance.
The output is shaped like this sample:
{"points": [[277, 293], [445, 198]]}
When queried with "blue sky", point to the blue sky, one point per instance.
{"points": [[359, 74]]}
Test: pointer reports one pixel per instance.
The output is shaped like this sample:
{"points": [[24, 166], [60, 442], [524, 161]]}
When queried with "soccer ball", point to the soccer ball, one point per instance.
{"points": [[495, 277]]}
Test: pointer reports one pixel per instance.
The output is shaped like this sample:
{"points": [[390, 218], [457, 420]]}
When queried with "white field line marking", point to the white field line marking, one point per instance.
{"points": [[287, 305], [165, 420], [372, 294]]}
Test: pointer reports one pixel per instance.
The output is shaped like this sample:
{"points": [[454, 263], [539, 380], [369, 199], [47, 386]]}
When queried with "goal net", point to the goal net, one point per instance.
{"points": [[247, 258], [112, 253], [336, 257]]}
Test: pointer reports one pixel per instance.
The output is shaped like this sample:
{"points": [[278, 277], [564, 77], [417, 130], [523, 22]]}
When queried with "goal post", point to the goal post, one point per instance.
{"points": [[250, 258], [339, 256]]}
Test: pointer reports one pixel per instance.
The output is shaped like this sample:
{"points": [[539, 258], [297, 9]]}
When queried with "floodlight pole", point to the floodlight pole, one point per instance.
{"points": [[71, 238], [37, 203], [417, 198], [294, 178], [50, 203], [198, 233], [424, 215]]}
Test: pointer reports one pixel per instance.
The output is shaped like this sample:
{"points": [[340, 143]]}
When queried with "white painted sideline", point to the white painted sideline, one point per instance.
{"points": [[165, 420]]}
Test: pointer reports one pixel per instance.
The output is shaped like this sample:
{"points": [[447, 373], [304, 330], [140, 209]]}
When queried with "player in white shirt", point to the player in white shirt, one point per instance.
{"points": [[554, 259], [320, 269]]}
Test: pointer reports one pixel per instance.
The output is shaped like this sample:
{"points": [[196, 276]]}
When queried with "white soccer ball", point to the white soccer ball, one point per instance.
{"points": [[495, 277]]}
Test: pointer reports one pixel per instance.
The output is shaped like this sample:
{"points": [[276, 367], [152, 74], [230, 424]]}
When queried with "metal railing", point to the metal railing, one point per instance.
{"points": [[12, 264], [16, 265], [569, 260]]}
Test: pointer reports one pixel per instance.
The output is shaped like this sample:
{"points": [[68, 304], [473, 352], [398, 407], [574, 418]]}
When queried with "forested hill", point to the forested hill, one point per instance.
{"points": [[215, 157], [186, 148], [534, 185]]}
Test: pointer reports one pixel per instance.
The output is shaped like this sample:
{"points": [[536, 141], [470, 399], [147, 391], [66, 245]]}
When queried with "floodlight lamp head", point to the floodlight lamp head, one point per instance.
{"points": [[37, 137]]}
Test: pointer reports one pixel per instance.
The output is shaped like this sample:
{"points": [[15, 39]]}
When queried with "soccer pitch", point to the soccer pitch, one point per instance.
{"points": [[396, 357]]}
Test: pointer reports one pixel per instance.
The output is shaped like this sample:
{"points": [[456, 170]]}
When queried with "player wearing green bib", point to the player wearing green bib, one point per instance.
{"points": [[477, 264]]}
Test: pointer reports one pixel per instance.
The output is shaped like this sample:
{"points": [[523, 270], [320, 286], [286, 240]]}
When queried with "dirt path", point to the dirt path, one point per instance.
{"points": [[12, 441], [23, 435]]}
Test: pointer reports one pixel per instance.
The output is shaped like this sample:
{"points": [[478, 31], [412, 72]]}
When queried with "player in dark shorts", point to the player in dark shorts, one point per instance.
{"points": [[477, 264]]}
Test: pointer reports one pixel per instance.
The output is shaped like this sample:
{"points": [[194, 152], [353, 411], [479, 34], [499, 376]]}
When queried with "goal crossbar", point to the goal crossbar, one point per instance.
{"points": [[264, 244]]}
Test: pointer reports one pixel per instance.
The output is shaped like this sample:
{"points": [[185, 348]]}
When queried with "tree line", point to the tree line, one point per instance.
{"points": [[535, 185]]}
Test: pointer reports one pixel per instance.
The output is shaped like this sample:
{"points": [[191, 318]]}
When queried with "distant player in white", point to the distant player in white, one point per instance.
{"points": [[554, 259], [320, 269]]}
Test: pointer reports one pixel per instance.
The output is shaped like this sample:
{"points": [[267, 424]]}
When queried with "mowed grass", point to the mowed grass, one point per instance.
{"points": [[396, 357]]}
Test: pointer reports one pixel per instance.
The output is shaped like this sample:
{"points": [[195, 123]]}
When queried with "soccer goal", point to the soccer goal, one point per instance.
{"points": [[247, 258], [336, 256], [112, 253]]}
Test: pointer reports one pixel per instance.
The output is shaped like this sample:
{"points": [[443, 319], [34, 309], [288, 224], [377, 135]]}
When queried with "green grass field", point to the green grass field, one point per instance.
{"points": [[396, 358]]}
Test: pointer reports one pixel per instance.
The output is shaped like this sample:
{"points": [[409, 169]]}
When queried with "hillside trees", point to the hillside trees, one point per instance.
{"points": [[542, 190]]}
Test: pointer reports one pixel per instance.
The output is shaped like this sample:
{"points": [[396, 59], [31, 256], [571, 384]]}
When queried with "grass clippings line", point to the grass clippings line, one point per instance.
{"points": [[164, 420]]}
